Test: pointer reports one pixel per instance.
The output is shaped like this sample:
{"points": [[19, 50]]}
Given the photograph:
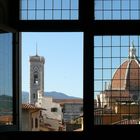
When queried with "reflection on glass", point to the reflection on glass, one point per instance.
{"points": [[6, 94]]}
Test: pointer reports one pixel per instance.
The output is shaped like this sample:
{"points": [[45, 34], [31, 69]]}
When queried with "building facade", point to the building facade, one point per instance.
{"points": [[30, 117], [72, 111]]}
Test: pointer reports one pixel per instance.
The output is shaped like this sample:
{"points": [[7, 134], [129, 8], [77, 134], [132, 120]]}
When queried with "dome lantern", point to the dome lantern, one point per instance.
{"points": [[132, 51]]}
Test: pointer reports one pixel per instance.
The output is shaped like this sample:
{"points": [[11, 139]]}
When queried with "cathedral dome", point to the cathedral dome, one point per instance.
{"points": [[127, 76]]}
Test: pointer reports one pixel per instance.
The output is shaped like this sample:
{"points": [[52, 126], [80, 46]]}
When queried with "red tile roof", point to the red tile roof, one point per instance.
{"points": [[6, 118], [127, 76], [30, 107]]}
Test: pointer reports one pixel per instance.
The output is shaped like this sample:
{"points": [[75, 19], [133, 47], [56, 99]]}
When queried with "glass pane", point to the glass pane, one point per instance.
{"points": [[31, 4], [98, 74], [107, 5], [74, 4], [65, 4], [48, 4], [24, 14], [107, 15], [31, 14], [48, 14], [74, 14], [24, 4], [57, 14], [72, 7], [40, 4], [98, 5], [116, 5], [117, 9], [134, 4], [65, 14], [6, 90], [40, 14], [98, 52], [125, 4], [57, 4], [106, 51]]}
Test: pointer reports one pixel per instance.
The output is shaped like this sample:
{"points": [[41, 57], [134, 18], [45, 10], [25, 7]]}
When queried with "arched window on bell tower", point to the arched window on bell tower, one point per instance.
{"points": [[36, 77]]}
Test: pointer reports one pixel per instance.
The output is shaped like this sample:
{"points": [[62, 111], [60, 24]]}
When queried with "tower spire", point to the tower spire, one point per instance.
{"points": [[36, 50]]}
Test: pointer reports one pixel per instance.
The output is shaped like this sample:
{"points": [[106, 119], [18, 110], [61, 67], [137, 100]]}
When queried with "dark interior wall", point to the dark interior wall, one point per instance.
{"points": [[4, 12], [8, 14]]}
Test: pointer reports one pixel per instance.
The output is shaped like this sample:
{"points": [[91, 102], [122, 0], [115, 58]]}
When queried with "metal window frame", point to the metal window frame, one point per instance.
{"points": [[15, 81], [114, 27], [85, 25]]}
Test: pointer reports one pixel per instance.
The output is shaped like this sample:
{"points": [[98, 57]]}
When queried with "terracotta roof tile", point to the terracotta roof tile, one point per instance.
{"points": [[127, 76], [30, 107]]}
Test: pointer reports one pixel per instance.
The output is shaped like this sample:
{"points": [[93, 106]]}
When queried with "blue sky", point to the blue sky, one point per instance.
{"points": [[63, 54], [109, 53]]}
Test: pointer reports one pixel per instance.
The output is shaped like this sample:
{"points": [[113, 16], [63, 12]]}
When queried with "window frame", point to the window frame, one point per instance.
{"points": [[54, 109], [15, 80], [84, 24], [114, 27]]}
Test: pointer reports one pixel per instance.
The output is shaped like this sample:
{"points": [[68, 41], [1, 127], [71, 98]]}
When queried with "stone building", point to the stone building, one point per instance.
{"points": [[30, 117], [52, 110]]}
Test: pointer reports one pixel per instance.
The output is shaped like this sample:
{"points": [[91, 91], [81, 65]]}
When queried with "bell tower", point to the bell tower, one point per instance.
{"points": [[36, 77]]}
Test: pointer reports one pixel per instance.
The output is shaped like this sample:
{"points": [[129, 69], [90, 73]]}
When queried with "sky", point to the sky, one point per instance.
{"points": [[109, 53], [63, 53]]}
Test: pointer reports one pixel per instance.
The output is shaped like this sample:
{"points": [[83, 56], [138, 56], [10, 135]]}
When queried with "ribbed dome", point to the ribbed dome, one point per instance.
{"points": [[127, 76]]}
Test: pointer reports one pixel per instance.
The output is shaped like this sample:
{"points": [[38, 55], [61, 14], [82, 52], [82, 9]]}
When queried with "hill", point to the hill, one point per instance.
{"points": [[5, 103], [53, 94], [58, 95]]}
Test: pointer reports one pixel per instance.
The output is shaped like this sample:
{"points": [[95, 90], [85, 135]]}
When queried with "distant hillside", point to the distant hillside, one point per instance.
{"points": [[53, 94], [59, 95], [5, 103]]}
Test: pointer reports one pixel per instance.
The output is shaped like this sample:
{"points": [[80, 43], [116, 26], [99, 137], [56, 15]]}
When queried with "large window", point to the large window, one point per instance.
{"points": [[6, 85], [52, 74], [75, 16], [116, 79], [8, 79]]}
